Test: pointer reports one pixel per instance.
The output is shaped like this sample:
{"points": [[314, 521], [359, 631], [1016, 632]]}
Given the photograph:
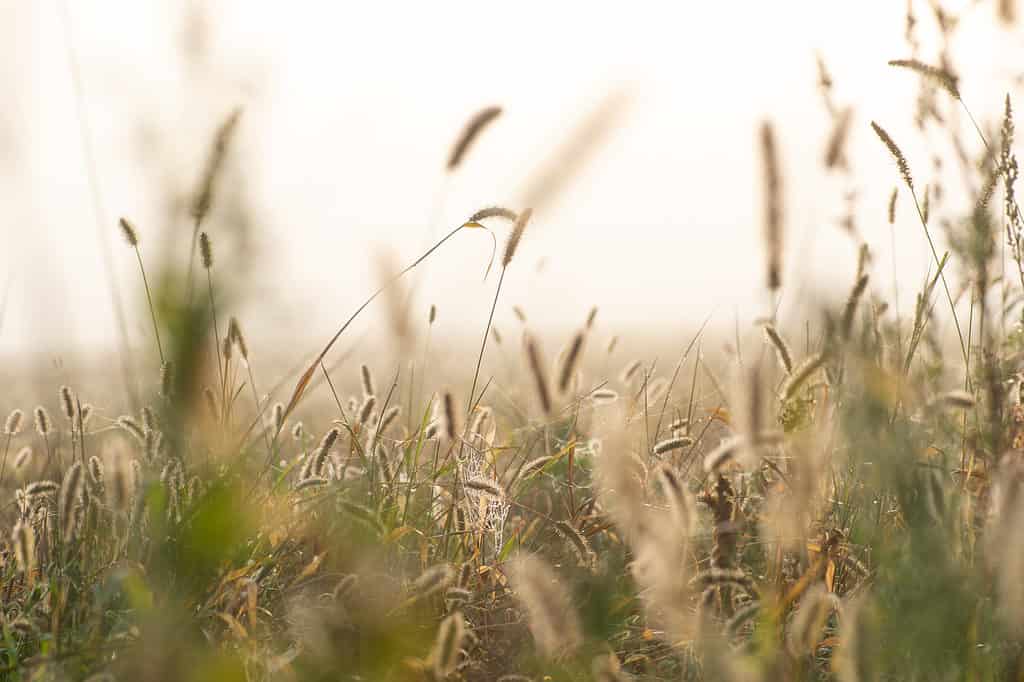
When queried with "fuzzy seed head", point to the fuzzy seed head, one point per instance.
{"points": [[67, 403], [389, 418], [13, 424], [235, 334], [671, 444], [23, 457], [43, 424], [941, 76], [474, 127], [207, 185], [205, 250], [897, 155], [445, 655], [131, 426], [451, 416], [70, 492], [166, 379], [485, 486], [782, 351], [540, 378], [571, 361], [367, 379], [517, 235], [369, 402], [96, 472], [23, 540], [772, 178], [551, 617], [432, 580], [801, 373], [493, 212], [128, 230]]}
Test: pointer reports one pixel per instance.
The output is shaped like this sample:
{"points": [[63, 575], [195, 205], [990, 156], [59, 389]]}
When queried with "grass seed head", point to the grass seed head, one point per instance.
{"points": [[550, 615], [206, 250], [214, 162], [571, 361], [12, 427], [474, 127], [42, 419], [540, 377], [897, 154], [129, 233], [516, 236], [445, 655], [773, 215]]}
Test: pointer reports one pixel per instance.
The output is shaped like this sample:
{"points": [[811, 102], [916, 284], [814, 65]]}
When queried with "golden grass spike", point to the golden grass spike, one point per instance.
{"points": [[451, 416], [447, 647], [236, 337], [432, 580], [782, 351], [571, 361], [941, 76], [23, 540], [850, 310], [367, 379], [540, 377], [670, 444], [23, 457], [773, 213], [492, 212], [834, 151], [517, 234], [42, 421], [128, 230], [474, 127], [206, 250], [486, 486], [221, 142], [897, 154], [801, 373], [551, 617], [13, 424], [67, 403], [70, 491]]}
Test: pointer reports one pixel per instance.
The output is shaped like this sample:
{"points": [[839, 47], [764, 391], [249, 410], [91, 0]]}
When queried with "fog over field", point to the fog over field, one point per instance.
{"points": [[348, 117]]}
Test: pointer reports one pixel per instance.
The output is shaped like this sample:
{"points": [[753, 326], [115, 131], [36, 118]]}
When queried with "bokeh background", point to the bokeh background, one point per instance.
{"points": [[350, 110]]}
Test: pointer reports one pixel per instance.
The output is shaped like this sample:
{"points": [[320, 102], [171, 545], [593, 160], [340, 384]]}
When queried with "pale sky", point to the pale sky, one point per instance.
{"points": [[351, 109]]}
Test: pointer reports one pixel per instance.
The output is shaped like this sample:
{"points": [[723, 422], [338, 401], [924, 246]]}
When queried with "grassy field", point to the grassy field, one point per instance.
{"points": [[840, 499]]}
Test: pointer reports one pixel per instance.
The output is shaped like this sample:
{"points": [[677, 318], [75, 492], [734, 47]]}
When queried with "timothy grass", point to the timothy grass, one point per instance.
{"points": [[853, 510]]}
